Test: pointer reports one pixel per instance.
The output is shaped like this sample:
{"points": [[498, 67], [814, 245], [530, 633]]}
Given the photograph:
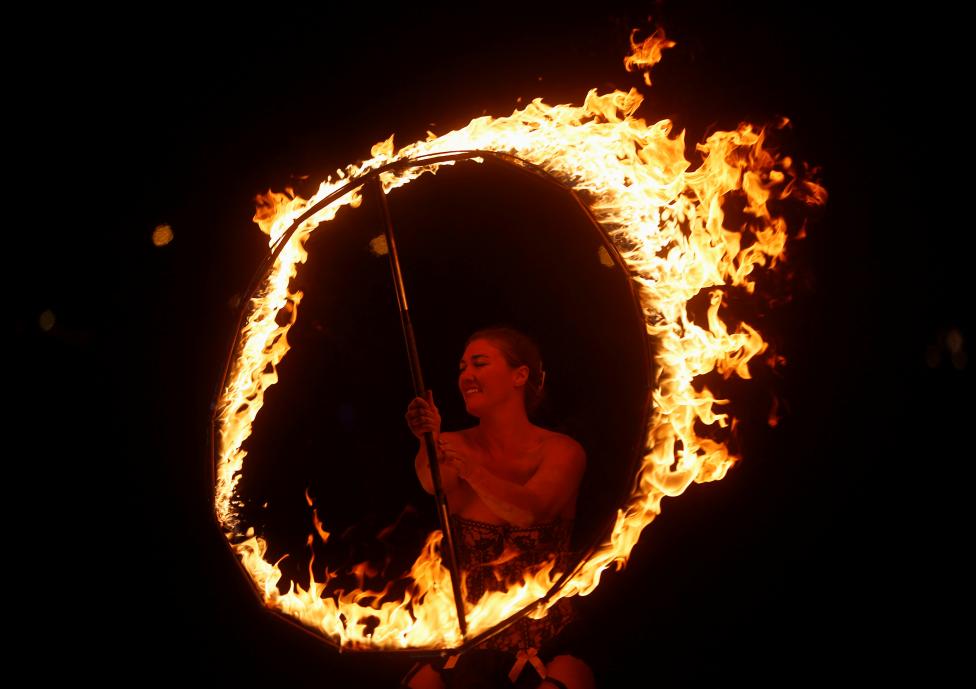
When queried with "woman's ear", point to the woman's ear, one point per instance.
{"points": [[521, 375]]}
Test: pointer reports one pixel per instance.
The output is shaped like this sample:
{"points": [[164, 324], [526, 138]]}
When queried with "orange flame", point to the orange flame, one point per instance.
{"points": [[647, 53], [668, 223]]}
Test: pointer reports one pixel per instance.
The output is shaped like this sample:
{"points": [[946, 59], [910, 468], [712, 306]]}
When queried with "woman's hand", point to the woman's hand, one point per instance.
{"points": [[451, 456], [422, 416]]}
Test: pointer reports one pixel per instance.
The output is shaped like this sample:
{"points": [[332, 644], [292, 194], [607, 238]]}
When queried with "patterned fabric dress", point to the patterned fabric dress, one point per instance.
{"points": [[492, 555]]}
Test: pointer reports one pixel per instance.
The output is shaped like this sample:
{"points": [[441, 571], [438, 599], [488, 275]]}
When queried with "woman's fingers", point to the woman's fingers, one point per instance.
{"points": [[422, 421], [419, 405], [449, 457], [422, 416], [419, 408], [446, 447]]}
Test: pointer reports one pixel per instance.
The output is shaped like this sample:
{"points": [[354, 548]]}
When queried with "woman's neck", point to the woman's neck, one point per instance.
{"points": [[506, 430]]}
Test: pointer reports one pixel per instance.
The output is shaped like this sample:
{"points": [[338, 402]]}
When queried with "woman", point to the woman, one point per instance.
{"points": [[508, 483]]}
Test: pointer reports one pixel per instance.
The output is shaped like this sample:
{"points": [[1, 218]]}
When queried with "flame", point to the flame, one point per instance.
{"points": [[316, 522], [668, 223], [647, 53]]}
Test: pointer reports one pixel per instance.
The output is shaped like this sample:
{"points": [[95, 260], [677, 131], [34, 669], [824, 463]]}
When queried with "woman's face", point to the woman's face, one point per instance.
{"points": [[485, 378]]}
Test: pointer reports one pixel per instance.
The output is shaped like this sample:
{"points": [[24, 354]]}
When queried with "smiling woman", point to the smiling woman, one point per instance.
{"points": [[512, 488]]}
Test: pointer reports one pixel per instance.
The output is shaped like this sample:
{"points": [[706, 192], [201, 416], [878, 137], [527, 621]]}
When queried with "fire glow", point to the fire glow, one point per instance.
{"points": [[668, 225]]}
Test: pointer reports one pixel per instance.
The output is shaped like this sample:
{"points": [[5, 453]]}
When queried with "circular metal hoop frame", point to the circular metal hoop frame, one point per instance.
{"points": [[509, 161]]}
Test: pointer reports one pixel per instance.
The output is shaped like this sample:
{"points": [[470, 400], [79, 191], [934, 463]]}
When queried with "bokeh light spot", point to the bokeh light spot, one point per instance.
{"points": [[954, 341], [162, 235], [46, 320], [378, 245]]}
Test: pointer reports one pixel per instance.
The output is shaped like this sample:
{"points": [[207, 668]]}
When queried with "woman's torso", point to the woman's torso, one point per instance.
{"points": [[495, 555], [517, 468]]}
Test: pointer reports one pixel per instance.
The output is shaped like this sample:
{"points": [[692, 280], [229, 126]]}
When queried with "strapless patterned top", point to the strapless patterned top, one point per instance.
{"points": [[481, 547]]}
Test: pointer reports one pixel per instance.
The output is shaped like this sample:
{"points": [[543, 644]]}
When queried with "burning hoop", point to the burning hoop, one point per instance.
{"points": [[665, 225]]}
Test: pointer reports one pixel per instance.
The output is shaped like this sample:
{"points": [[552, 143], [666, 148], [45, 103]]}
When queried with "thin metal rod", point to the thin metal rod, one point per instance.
{"points": [[447, 545]]}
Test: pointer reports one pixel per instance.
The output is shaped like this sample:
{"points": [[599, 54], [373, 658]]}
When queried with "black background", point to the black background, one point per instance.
{"points": [[836, 545]]}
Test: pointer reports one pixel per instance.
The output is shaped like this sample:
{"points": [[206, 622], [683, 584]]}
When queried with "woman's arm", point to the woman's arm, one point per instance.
{"points": [[422, 418], [541, 498], [449, 476]]}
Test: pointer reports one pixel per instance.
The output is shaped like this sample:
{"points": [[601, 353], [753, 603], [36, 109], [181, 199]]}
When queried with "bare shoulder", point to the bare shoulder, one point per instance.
{"points": [[564, 446], [560, 439]]}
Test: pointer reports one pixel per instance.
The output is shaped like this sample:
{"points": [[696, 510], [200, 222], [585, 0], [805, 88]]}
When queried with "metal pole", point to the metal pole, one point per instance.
{"points": [[443, 512]]}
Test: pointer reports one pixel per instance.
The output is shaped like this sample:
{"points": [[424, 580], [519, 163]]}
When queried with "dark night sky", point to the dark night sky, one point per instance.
{"points": [[836, 541]]}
